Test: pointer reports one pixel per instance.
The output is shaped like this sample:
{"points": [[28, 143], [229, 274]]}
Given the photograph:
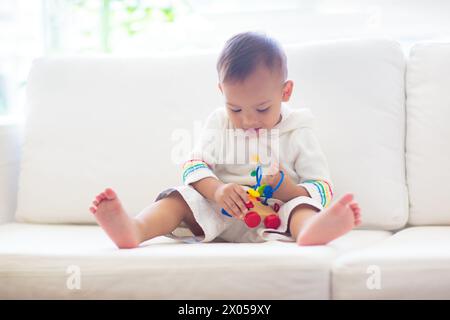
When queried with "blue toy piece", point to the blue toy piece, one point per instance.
{"points": [[224, 212], [261, 193]]}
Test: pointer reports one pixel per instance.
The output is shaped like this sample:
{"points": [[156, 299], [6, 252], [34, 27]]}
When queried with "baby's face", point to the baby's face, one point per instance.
{"points": [[256, 102]]}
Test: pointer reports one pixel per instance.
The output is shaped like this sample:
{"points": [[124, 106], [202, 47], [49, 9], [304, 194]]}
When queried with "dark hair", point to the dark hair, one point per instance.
{"points": [[245, 51]]}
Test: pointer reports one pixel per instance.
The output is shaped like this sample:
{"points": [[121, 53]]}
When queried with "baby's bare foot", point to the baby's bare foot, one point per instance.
{"points": [[111, 216], [331, 223]]}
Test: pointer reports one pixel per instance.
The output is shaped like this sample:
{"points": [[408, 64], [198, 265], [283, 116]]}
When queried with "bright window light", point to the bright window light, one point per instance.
{"points": [[30, 28]]}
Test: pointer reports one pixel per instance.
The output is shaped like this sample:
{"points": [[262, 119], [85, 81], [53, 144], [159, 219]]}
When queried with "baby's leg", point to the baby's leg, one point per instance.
{"points": [[311, 228], [160, 218]]}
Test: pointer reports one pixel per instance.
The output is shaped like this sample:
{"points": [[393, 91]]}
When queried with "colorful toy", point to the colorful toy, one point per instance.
{"points": [[260, 209]]}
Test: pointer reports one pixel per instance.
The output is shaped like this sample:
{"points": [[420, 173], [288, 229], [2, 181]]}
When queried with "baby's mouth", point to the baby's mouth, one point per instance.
{"points": [[253, 131]]}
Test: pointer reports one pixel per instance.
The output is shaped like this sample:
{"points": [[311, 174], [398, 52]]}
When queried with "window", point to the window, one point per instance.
{"points": [[30, 28], [20, 42]]}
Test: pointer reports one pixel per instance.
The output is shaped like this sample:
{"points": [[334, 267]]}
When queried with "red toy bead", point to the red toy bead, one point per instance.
{"points": [[276, 207], [252, 219], [249, 205], [272, 221]]}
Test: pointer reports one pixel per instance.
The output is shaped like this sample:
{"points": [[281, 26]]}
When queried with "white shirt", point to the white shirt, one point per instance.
{"points": [[296, 146]]}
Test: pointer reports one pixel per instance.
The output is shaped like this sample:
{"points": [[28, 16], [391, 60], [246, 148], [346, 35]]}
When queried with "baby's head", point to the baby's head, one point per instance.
{"points": [[253, 79]]}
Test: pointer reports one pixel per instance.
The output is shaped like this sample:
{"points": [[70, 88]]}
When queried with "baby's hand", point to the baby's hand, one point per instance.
{"points": [[232, 197]]}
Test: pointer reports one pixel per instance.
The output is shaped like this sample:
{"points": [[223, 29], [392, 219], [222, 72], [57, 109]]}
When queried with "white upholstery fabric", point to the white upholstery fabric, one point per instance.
{"points": [[356, 90], [10, 134], [412, 264], [98, 122], [34, 260], [428, 147]]}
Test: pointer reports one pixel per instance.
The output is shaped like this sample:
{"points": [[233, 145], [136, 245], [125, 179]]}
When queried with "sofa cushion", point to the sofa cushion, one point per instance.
{"points": [[38, 261], [94, 123], [412, 264], [117, 122], [427, 143], [356, 90]]}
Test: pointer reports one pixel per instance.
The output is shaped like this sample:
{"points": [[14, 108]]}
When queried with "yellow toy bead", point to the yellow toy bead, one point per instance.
{"points": [[253, 193]]}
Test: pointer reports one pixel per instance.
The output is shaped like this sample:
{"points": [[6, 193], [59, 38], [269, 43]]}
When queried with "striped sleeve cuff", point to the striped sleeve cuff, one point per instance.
{"points": [[195, 170], [319, 190]]}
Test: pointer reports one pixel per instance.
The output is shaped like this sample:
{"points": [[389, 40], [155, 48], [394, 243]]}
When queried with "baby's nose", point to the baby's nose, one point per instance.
{"points": [[249, 124]]}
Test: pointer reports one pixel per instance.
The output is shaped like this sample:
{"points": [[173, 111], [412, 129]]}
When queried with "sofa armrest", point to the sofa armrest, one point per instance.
{"points": [[10, 140]]}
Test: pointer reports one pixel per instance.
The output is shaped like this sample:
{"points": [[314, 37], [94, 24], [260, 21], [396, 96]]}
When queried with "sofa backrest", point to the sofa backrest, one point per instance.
{"points": [[104, 122], [356, 90], [428, 138], [99, 122]]}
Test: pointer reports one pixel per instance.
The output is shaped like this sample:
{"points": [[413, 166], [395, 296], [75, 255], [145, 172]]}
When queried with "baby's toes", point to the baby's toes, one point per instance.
{"points": [[357, 215], [353, 205], [93, 209], [110, 194], [357, 219]]}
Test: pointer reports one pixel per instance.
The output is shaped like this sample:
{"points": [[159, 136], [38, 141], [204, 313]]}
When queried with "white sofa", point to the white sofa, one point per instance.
{"points": [[382, 119]]}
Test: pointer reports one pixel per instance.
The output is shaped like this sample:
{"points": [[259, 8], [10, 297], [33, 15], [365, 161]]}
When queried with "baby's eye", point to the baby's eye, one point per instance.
{"points": [[236, 110], [263, 110]]}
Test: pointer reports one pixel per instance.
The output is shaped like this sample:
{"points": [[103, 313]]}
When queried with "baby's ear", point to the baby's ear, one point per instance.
{"points": [[220, 87], [287, 90]]}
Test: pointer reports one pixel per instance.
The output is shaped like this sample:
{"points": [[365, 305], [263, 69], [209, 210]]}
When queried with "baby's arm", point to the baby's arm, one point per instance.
{"points": [[231, 197], [207, 187], [312, 167], [288, 189]]}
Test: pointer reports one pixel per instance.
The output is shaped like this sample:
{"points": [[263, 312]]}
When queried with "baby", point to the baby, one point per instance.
{"points": [[252, 72]]}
